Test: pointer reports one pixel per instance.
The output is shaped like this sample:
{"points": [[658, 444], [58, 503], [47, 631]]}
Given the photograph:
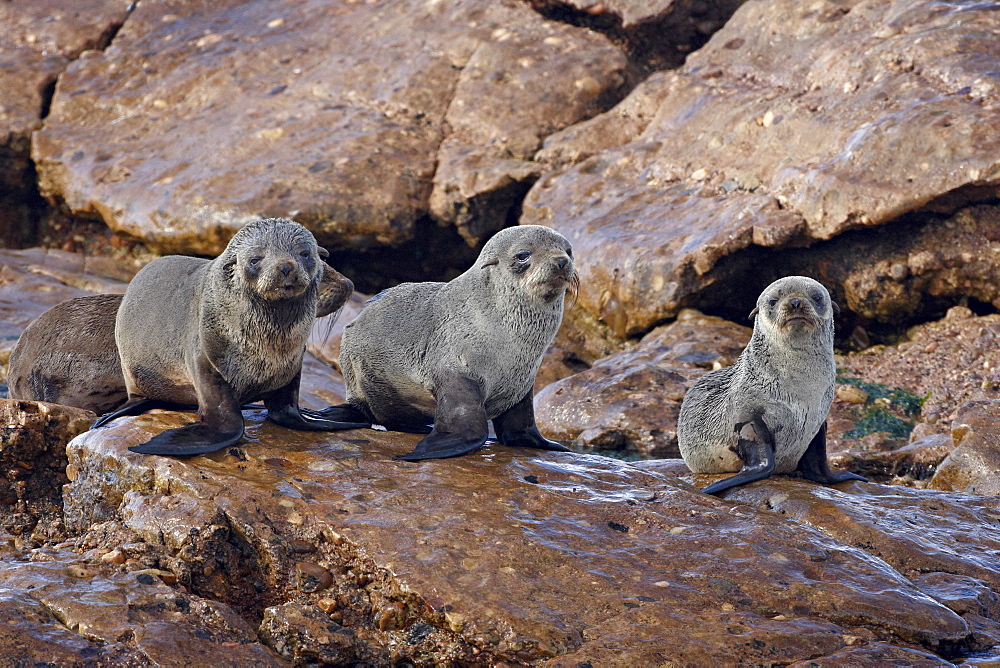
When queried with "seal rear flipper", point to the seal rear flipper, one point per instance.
{"points": [[755, 448], [138, 406], [193, 439], [460, 424], [516, 428], [283, 409], [814, 465]]}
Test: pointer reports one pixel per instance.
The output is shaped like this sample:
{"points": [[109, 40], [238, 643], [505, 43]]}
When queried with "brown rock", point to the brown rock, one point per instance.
{"points": [[304, 634], [37, 42], [258, 112], [973, 465], [629, 401], [559, 552], [312, 577], [886, 112], [874, 654]]}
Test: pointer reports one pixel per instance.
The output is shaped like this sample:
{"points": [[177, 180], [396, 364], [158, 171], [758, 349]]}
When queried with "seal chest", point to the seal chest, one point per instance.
{"points": [[220, 333], [767, 413], [461, 353]]}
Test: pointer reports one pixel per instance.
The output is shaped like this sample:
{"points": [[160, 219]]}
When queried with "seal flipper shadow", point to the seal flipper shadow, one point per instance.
{"points": [[814, 465], [283, 409], [138, 406], [755, 448], [516, 428], [220, 424], [460, 424]]}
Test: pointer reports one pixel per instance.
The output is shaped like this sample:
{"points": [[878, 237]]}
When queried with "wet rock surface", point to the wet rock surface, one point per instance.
{"points": [[641, 556], [887, 106]]}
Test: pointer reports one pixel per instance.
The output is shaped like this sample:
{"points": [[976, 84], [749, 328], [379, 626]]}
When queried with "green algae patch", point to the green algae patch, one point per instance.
{"points": [[880, 418]]}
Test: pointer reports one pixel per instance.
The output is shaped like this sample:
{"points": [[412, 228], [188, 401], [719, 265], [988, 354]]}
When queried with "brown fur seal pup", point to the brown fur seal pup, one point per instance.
{"points": [[461, 353], [767, 413], [67, 355], [218, 333]]}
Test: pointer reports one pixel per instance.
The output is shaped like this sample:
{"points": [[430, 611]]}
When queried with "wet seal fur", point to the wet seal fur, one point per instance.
{"points": [[68, 355], [767, 413], [219, 333], [461, 353]]}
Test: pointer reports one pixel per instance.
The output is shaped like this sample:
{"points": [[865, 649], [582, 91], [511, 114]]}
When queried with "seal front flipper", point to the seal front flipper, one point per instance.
{"points": [[339, 413], [137, 406], [516, 428], [814, 465], [194, 439], [460, 425], [755, 448], [283, 409], [220, 420]]}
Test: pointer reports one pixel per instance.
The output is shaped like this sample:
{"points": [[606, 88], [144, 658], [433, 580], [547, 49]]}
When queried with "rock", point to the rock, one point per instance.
{"points": [[629, 401], [304, 634], [115, 618], [553, 555], [916, 461], [886, 112], [874, 654], [657, 34], [973, 465], [37, 42], [33, 460], [345, 136]]}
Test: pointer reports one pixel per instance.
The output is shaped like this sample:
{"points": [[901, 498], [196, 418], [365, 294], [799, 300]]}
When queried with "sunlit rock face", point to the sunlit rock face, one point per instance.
{"points": [[793, 124], [200, 117]]}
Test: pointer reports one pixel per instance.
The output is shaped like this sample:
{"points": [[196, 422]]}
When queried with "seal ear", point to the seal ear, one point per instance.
{"points": [[753, 313], [836, 307], [490, 263], [323, 253]]}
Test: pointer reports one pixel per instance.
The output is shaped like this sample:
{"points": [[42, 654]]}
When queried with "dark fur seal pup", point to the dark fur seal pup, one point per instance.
{"points": [[767, 413], [67, 355], [220, 333], [464, 352]]}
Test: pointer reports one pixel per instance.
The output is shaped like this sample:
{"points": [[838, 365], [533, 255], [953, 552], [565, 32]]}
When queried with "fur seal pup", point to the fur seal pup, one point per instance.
{"points": [[461, 353], [219, 333], [767, 413], [68, 356]]}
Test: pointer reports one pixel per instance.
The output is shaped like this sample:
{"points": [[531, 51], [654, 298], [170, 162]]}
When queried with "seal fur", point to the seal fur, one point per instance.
{"points": [[68, 355], [767, 413], [219, 333], [461, 353]]}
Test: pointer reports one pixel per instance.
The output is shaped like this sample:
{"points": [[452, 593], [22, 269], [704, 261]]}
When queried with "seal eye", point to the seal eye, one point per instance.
{"points": [[522, 256], [254, 261], [772, 302], [818, 298], [305, 254]]}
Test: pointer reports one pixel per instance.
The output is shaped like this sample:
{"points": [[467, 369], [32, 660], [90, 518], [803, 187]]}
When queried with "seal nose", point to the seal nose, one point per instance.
{"points": [[286, 269], [796, 303], [562, 262]]}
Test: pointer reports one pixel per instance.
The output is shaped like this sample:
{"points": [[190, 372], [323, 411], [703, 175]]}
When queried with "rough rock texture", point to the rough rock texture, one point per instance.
{"points": [[644, 560], [63, 609], [629, 401], [201, 117], [889, 107], [37, 42], [973, 466]]}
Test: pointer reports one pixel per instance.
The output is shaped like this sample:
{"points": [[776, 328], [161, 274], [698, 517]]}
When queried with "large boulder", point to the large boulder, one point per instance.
{"points": [[200, 117], [794, 124]]}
